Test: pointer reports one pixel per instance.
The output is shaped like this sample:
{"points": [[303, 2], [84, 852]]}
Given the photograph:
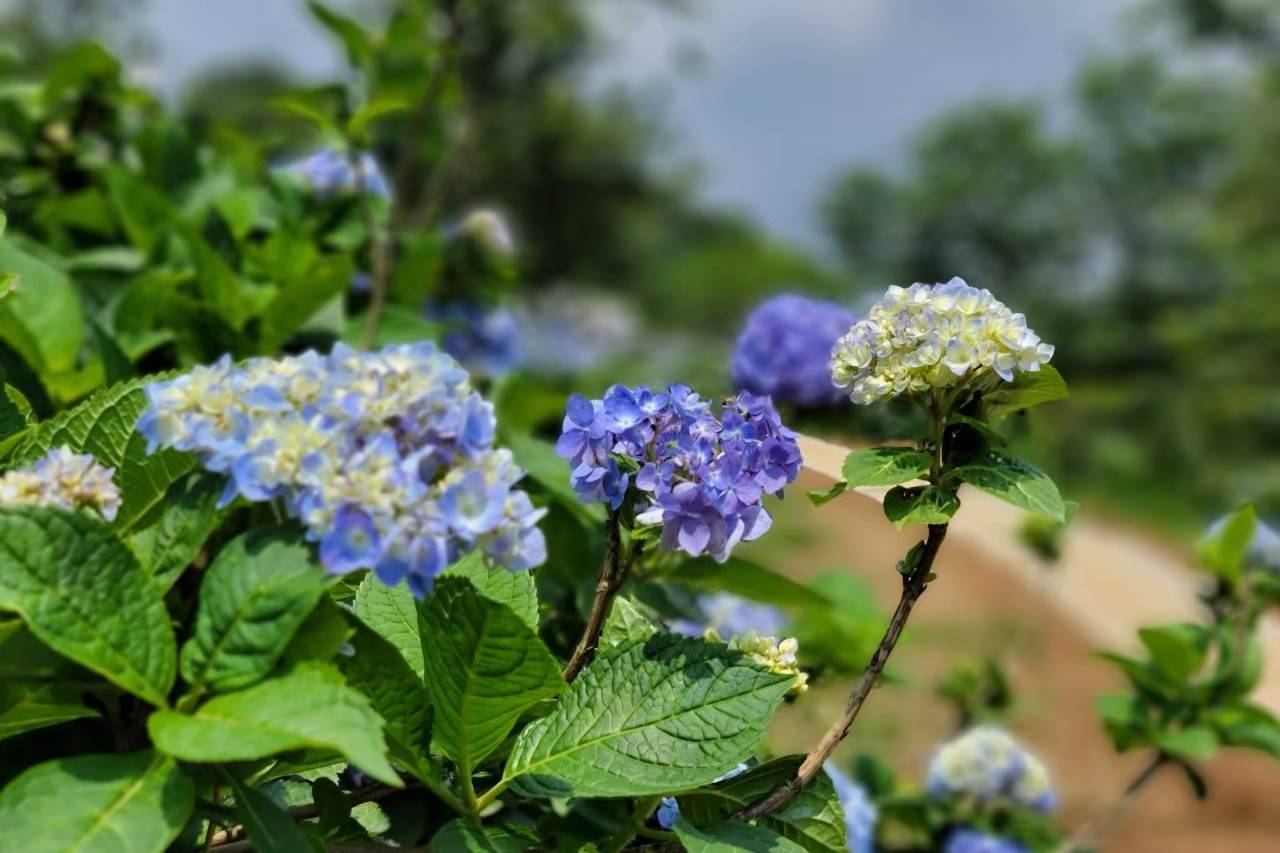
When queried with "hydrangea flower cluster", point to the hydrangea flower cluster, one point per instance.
{"points": [[483, 338], [703, 477], [973, 841], [387, 458], [860, 814], [987, 764], [329, 172], [933, 336], [785, 350], [66, 480]]}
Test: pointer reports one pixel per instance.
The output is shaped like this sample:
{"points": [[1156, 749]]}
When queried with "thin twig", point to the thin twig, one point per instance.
{"points": [[613, 572], [913, 586], [1093, 830], [379, 256]]}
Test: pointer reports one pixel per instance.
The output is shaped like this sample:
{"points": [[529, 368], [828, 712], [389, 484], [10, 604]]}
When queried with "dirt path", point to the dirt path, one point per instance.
{"points": [[993, 597]]}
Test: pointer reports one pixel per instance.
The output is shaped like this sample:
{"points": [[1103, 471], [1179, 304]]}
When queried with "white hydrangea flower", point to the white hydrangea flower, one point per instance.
{"points": [[933, 336], [987, 763], [63, 479]]}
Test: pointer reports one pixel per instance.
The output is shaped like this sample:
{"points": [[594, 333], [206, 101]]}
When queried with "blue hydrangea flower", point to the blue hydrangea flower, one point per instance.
{"points": [[784, 350], [860, 814], [973, 841], [484, 339], [701, 477], [728, 614], [387, 458], [987, 764], [63, 479], [328, 172]]}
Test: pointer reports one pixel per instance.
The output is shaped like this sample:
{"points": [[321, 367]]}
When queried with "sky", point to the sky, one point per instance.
{"points": [[782, 95]]}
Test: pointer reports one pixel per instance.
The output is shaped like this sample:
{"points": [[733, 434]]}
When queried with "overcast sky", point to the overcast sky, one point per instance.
{"points": [[785, 93]]}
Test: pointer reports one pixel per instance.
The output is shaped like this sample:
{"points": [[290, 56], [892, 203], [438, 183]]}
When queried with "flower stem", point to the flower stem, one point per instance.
{"points": [[379, 257], [913, 586], [1086, 835], [644, 808], [613, 572]]}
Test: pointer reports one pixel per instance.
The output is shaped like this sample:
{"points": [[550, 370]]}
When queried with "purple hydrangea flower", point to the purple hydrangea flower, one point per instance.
{"points": [[484, 339], [387, 457], [973, 841], [728, 614], [784, 350], [860, 814], [700, 476], [329, 172]]}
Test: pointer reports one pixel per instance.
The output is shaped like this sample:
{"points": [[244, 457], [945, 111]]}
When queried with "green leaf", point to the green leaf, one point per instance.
{"points": [[374, 110], [813, 819], [1251, 727], [747, 579], [920, 505], [187, 517], [885, 466], [516, 590], [15, 417], [1025, 392], [309, 706], [626, 625], [322, 635], [355, 41], [1178, 651], [116, 366], [1018, 482], [820, 497], [396, 693], [298, 300], [312, 109], [538, 458], [46, 305], [392, 612], [667, 714], [485, 667], [252, 600], [97, 804], [458, 836], [82, 593], [25, 708], [1224, 550], [103, 426], [270, 828], [732, 836], [1194, 742]]}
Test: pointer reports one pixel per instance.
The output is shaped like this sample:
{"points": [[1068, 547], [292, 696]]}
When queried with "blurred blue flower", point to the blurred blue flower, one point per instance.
{"points": [[668, 809], [329, 172], [988, 764], [973, 841], [860, 814], [387, 457], [483, 338], [728, 614], [703, 477], [784, 350]]}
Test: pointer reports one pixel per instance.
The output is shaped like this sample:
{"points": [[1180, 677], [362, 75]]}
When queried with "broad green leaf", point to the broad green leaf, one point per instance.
{"points": [[392, 612], [83, 594], [270, 828], [1178, 651], [1223, 551], [252, 600], [625, 626], [355, 41], [813, 819], [1026, 391], [458, 836], [26, 708], [46, 305], [667, 714], [1018, 482], [103, 426], [747, 579], [395, 691], [732, 836], [485, 667], [309, 706], [1195, 742], [186, 518], [920, 505], [514, 589], [15, 418], [322, 635], [885, 466], [97, 804], [298, 300]]}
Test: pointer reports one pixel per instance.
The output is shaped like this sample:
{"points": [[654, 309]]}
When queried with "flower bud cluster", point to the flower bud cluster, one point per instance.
{"points": [[387, 457], [987, 764], [933, 336], [785, 350], [66, 480]]}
